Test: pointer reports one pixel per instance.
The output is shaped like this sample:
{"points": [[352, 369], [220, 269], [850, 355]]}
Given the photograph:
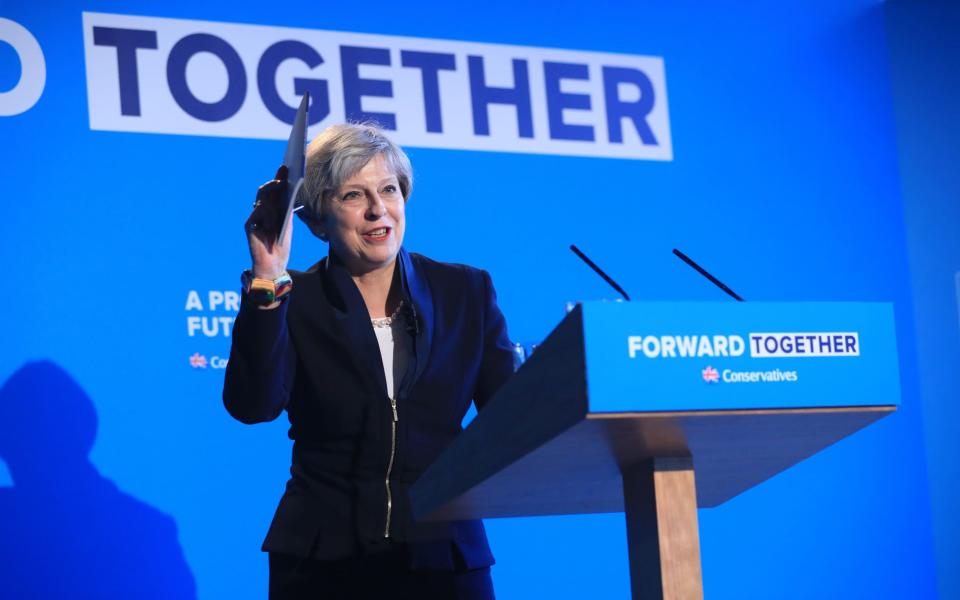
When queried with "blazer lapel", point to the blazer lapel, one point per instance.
{"points": [[353, 321], [417, 293]]}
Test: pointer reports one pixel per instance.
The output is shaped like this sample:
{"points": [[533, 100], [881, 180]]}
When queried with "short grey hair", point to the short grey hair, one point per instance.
{"points": [[339, 152]]}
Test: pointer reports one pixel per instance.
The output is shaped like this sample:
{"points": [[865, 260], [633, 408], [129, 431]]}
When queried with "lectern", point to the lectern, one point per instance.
{"points": [[656, 409]]}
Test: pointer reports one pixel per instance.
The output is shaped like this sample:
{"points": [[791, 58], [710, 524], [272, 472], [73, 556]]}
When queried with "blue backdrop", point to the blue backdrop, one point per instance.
{"points": [[924, 53], [784, 182]]}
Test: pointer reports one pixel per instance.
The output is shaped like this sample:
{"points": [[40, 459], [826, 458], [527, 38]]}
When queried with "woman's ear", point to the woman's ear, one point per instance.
{"points": [[318, 229], [314, 222]]}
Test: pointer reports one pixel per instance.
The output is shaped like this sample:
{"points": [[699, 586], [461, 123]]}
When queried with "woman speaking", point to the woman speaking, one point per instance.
{"points": [[375, 353]]}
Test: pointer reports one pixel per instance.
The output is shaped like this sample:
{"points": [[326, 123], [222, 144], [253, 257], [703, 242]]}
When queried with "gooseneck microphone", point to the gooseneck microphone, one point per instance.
{"points": [[599, 271], [410, 316], [679, 254], [703, 272]]}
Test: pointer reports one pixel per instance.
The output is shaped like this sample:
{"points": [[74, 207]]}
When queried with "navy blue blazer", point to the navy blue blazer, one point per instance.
{"points": [[316, 356]]}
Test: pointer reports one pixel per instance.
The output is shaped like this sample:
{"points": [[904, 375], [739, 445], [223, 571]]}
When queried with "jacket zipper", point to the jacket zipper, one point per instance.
{"points": [[404, 385], [393, 452]]}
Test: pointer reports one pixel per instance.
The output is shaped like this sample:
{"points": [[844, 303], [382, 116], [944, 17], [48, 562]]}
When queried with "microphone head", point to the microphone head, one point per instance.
{"points": [[410, 317]]}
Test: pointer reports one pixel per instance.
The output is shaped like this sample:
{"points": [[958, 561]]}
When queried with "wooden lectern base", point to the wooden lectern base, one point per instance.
{"points": [[660, 500]]}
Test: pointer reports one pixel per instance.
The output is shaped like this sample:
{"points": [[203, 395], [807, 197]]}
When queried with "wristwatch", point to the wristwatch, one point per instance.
{"points": [[264, 292]]}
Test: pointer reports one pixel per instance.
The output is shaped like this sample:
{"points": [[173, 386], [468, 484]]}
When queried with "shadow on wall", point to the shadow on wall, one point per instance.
{"points": [[65, 530]]}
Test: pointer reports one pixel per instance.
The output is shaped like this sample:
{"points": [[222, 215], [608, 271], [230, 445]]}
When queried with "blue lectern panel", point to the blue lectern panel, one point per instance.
{"points": [[701, 356]]}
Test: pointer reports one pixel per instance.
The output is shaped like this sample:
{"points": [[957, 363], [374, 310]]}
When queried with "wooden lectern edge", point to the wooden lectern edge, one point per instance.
{"points": [[880, 411], [647, 416], [741, 411]]}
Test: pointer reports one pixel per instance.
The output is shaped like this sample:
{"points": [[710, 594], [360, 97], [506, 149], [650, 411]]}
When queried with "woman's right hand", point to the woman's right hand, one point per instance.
{"points": [[270, 255]]}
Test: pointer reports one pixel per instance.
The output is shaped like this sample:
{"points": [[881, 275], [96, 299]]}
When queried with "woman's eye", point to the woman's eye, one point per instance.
{"points": [[354, 195], [390, 189]]}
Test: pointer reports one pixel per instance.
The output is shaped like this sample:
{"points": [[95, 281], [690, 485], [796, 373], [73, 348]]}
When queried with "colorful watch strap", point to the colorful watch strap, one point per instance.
{"points": [[266, 291]]}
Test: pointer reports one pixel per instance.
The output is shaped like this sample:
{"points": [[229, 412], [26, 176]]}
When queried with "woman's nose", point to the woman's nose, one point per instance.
{"points": [[376, 207]]}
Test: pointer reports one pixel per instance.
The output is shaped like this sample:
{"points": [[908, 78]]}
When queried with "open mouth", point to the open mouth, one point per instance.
{"points": [[377, 235]]}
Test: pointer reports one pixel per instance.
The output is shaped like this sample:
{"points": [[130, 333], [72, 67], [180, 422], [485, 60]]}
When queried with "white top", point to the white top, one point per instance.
{"points": [[395, 351]]}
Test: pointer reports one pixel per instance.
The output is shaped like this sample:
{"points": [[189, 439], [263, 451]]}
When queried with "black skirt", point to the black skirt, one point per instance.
{"points": [[384, 575]]}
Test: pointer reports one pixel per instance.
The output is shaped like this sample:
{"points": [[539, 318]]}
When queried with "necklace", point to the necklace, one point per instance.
{"points": [[382, 322]]}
